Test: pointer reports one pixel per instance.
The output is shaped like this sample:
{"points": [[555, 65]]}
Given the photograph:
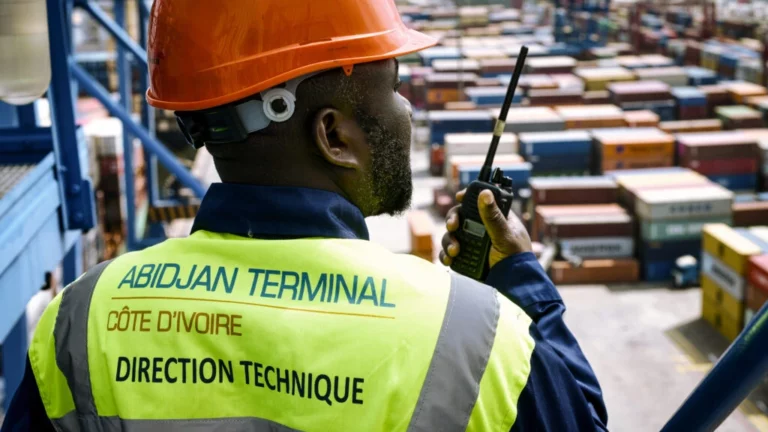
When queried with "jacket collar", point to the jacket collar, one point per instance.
{"points": [[270, 212]]}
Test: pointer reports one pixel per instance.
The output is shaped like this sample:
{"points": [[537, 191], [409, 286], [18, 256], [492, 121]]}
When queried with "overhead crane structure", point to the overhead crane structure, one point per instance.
{"points": [[46, 202], [705, 8]]}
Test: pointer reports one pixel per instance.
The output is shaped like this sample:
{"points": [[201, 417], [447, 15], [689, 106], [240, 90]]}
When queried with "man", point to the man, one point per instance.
{"points": [[276, 313], [38, 303]]}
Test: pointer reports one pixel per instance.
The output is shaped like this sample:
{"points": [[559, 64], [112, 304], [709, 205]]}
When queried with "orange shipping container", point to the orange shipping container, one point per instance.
{"points": [[635, 145], [421, 227], [596, 271]]}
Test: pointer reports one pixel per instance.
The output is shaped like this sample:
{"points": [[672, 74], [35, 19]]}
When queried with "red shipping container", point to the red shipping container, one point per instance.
{"points": [[692, 112], [723, 166], [747, 214], [443, 200], [437, 160], [757, 277]]}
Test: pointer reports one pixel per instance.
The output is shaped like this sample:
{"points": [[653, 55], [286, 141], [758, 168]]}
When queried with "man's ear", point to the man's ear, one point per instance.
{"points": [[339, 138]]}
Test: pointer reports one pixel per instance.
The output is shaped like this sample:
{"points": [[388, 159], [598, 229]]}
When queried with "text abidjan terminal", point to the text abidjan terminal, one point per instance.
{"points": [[298, 286]]}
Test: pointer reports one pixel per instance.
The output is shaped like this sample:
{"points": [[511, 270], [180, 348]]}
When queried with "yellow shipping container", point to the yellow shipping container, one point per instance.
{"points": [[728, 326], [722, 242], [726, 302]]}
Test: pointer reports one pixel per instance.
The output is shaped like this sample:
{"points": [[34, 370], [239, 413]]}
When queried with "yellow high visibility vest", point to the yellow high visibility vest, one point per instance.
{"points": [[223, 332]]}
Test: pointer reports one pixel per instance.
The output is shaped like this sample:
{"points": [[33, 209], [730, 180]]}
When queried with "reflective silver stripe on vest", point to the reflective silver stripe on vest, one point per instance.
{"points": [[71, 337], [70, 422], [463, 347]]}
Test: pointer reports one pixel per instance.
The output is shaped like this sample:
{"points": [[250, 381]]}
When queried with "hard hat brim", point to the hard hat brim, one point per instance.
{"points": [[417, 41]]}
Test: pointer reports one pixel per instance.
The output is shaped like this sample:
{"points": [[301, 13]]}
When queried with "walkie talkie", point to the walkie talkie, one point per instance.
{"points": [[475, 244]]}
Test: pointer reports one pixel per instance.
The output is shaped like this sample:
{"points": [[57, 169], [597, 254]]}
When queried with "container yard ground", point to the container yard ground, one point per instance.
{"points": [[648, 344]]}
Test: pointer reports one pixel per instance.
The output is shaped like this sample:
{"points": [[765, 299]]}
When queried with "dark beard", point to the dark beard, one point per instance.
{"points": [[390, 178]]}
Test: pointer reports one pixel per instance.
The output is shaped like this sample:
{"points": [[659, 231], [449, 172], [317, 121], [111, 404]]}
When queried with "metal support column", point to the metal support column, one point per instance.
{"points": [[147, 112], [14, 358], [78, 209], [72, 264], [124, 79]]}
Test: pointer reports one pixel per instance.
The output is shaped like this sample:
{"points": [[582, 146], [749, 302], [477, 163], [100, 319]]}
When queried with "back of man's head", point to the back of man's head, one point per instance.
{"points": [[290, 93]]}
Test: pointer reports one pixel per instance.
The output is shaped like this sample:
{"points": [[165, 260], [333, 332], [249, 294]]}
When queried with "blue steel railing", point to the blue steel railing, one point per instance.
{"points": [[740, 369], [130, 54]]}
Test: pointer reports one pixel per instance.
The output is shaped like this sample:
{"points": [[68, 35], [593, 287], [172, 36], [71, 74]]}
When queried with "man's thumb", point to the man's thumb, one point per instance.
{"points": [[493, 219]]}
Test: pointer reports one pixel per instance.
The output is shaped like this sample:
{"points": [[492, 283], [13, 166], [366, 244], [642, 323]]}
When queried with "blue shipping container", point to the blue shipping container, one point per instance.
{"points": [[669, 250], [520, 173], [439, 53], [559, 143], [736, 182], [657, 271], [491, 96], [698, 76], [689, 96], [568, 163], [665, 109], [444, 122]]}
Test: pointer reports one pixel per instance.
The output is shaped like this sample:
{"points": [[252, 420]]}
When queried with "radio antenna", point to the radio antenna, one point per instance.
{"points": [[485, 172]]}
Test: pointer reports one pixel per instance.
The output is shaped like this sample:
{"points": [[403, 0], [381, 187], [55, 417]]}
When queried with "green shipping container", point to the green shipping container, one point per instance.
{"points": [[677, 230]]}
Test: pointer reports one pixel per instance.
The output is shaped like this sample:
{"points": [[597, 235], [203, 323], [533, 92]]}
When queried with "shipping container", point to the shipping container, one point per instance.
{"points": [[595, 225], [680, 203], [727, 245], [715, 146], [727, 325], [444, 122], [639, 91], [542, 212], [739, 117], [710, 289], [555, 143], [669, 250], [550, 65], [750, 213], [673, 76], [591, 116], [726, 278], [705, 125], [672, 230], [598, 247], [599, 78], [736, 182], [573, 190], [595, 271], [641, 118], [532, 119]]}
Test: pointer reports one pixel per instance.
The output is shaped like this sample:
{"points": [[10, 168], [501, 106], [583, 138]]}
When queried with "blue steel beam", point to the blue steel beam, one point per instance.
{"points": [[14, 358], [115, 30], [27, 117], [77, 206], [23, 140], [124, 80], [147, 112], [738, 372], [164, 156], [144, 8]]}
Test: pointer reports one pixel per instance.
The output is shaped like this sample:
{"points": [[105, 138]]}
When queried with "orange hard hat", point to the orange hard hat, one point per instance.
{"points": [[204, 54]]}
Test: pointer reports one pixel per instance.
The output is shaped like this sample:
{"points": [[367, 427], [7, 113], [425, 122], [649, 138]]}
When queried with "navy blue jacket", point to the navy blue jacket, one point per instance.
{"points": [[562, 393]]}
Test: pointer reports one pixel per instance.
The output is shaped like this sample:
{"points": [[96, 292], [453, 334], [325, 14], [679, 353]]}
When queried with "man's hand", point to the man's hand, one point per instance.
{"points": [[508, 236]]}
